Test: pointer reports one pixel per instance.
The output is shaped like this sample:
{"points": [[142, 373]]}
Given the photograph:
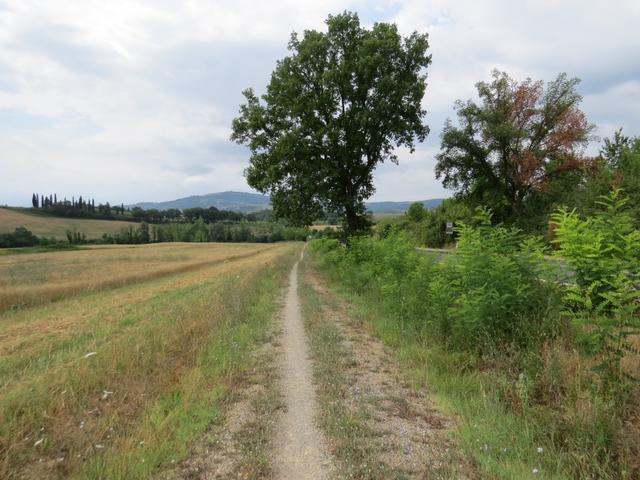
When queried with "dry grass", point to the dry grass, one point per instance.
{"points": [[167, 350], [27, 280], [56, 227]]}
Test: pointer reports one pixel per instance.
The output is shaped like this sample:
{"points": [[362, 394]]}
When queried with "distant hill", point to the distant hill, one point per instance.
{"points": [[400, 207], [253, 202], [234, 201]]}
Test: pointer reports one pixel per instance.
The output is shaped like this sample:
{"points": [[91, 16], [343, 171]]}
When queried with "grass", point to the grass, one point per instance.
{"points": [[56, 227], [255, 436], [352, 441], [168, 351], [27, 280], [502, 436]]}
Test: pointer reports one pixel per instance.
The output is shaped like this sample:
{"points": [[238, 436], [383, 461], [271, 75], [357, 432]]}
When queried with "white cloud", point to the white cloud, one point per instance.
{"points": [[132, 100]]}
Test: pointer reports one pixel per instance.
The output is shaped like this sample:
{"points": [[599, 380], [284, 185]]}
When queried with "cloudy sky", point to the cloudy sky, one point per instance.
{"points": [[132, 100]]}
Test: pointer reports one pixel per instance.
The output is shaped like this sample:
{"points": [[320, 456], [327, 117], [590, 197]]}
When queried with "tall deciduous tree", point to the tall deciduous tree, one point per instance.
{"points": [[511, 144], [334, 109]]}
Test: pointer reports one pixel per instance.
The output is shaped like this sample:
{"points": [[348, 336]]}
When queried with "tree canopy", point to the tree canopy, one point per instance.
{"points": [[336, 107], [511, 144]]}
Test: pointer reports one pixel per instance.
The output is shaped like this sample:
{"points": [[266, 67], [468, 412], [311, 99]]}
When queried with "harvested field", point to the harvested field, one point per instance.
{"points": [[56, 227], [27, 280], [134, 358]]}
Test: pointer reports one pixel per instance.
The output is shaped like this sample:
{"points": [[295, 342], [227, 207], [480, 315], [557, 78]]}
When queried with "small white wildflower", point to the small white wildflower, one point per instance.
{"points": [[106, 394], [535, 471], [539, 449]]}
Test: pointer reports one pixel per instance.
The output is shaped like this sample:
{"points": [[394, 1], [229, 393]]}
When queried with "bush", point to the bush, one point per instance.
{"points": [[494, 292], [604, 251], [21, 237]]}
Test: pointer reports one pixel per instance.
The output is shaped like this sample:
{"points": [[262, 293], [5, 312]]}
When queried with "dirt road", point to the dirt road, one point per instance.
{"points": [[300, 449]]}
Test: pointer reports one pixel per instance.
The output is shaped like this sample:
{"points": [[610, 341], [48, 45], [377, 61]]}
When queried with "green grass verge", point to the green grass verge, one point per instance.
{"points": [[352, 441], [501, 444]]}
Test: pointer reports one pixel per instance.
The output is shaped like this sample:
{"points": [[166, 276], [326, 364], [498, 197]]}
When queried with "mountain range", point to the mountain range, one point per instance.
{"points": [[253, 202]]}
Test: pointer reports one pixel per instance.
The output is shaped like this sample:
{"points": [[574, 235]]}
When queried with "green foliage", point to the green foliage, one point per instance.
{"points": [[604, 251], [75, 237], [489, 295], [21, 237], [416, 212], [200, 231], [492, 293], [509, 146], [339, 105], [485, 329], [429, 227]]}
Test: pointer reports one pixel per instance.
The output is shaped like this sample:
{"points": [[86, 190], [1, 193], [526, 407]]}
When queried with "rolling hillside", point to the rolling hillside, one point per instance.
{"points": [[46, 226], [235, 201], [253, 202]]}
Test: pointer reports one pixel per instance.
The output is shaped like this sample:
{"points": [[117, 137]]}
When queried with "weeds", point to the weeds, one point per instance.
{"points": [[485, 329]]}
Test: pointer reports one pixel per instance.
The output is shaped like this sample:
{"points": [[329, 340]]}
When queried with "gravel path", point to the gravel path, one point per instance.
{"points": [[300, 449]]}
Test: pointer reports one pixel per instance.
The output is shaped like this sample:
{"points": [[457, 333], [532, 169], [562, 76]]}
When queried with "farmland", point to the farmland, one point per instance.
{"points": [[112, 359], [57, 227]]}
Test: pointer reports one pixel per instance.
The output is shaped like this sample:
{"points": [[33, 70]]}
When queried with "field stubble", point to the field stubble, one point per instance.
{"points": [[27, 280], [112, 383]]}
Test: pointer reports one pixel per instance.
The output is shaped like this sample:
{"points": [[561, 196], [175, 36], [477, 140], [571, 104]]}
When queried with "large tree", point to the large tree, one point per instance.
{"points": [[511, 144], [336, 107]]}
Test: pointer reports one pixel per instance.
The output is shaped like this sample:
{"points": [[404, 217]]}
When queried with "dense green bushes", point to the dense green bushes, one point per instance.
{"points": [[21, 237], [561, 361], [428, 226], [492, 292], [604, 251]]}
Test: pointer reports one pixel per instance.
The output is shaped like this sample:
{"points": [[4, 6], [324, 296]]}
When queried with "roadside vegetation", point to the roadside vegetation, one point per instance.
{"points": [[115, 383], [543, 376]]}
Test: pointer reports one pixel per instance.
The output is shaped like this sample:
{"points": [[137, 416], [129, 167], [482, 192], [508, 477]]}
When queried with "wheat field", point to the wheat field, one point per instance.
{"points": [[111, 359], [56, 227]]}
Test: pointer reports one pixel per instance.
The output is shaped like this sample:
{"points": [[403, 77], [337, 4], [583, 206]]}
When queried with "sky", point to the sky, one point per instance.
{"points": [[129, 101]]}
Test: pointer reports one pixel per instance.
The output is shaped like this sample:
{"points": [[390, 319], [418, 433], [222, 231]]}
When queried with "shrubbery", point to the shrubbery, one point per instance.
{"points": [[604, 251], [199, 231], [21, 237], [561, 358], [491, 292]]}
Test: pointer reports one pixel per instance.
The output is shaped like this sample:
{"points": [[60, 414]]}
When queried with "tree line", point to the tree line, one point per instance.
{"points": [[85, 208], [75, 208]]}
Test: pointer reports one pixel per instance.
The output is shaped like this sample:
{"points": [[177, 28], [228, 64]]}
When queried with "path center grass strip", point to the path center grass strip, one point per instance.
{"points": [[125, 404]]}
